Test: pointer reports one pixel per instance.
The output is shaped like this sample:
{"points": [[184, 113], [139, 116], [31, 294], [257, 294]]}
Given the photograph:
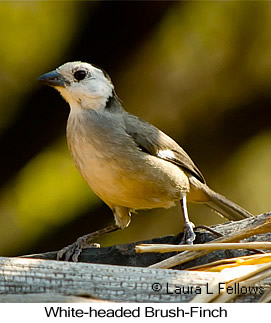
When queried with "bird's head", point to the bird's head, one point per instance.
{"points": [[82, 85]]}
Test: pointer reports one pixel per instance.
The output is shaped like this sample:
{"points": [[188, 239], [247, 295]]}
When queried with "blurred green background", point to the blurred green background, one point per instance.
{"points": [[200, 71]]}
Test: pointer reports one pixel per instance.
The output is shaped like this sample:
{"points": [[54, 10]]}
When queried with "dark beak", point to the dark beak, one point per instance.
{"points": [[52, 78]]}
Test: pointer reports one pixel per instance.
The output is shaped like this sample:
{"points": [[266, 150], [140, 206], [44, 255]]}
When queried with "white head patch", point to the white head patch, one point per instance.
{"points": [[86, 86]]}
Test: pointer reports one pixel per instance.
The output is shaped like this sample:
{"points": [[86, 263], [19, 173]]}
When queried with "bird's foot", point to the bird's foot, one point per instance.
{"points": [[74, 250], [188, 234]]}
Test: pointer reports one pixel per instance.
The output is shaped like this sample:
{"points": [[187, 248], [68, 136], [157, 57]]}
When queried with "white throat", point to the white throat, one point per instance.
{"points": [[84, 102]]}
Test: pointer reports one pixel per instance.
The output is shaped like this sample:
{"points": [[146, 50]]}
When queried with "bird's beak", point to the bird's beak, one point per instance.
{"points": [[52, 78]]}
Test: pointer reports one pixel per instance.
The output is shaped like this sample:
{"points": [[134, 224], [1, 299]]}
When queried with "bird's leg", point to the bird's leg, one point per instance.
{"points": [[188, 233], [73, 251]]}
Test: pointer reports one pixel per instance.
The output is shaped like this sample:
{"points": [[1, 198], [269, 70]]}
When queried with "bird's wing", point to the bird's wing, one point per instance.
{"points": [[153, 141]]}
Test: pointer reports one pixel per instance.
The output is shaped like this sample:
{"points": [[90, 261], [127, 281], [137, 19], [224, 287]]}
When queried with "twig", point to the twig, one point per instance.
{"points": [[266, 298], [230, 277], [258, 225], [237, 261], [161, 248], [257, 274]]}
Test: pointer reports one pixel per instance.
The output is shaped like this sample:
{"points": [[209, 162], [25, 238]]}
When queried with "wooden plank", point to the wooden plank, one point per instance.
{"points": [[26, 279], [20, 276]]}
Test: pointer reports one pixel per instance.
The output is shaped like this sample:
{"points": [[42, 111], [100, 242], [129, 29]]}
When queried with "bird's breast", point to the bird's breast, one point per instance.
{"points": [[122, 175]]}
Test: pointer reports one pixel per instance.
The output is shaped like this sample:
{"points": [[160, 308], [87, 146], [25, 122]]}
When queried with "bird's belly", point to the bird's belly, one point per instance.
{"points": [[134, 183]]}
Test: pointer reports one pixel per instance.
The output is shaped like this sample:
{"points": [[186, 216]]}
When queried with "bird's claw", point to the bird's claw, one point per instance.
{"points": [[74, 250], [188, 234]]}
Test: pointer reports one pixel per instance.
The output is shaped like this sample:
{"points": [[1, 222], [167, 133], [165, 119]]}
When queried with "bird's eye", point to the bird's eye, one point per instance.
{"points": [[79, 75]]}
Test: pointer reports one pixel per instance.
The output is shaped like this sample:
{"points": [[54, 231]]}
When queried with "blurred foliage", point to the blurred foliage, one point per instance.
{"points": [[201, 62], [34, 34], [247, 175], [46, 192], [206, 57]]}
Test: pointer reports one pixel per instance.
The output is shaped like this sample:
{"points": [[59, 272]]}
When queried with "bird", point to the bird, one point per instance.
{"points": [[128, 162]]}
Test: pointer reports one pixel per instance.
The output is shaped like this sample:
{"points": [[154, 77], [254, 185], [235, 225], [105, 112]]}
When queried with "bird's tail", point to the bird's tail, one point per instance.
{"points": [[222, 205]]}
